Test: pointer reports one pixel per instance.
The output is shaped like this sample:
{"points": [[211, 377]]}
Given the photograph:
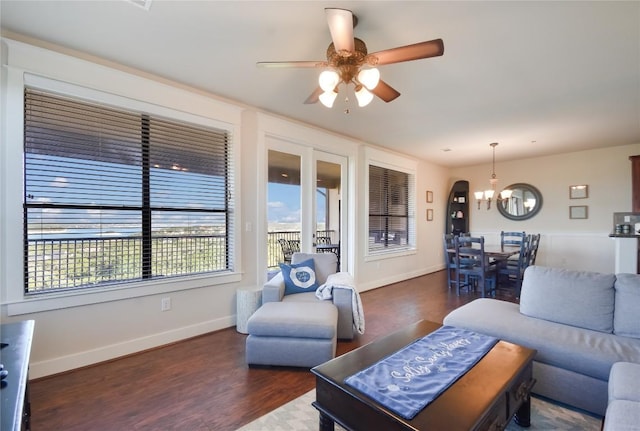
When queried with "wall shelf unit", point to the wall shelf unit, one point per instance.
{"points": [[458, 208]]}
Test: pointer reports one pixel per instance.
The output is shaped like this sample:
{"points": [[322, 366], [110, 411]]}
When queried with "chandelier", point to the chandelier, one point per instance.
{"points": [[488, 194], [347, 67]]}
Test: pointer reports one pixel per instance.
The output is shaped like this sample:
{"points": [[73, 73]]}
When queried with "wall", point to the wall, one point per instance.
{"points": [[80, 328], [569, 243], [376, 271]]}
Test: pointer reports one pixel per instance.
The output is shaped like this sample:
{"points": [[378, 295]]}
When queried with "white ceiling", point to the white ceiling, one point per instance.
{"points": [[538, 77]]}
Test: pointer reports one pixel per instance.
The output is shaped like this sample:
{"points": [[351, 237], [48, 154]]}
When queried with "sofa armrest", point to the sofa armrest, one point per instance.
{"points": [[273, 290], [343, 302]]}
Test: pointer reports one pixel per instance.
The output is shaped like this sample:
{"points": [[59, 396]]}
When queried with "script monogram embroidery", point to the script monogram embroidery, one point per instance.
{"points": [[424, 365]]}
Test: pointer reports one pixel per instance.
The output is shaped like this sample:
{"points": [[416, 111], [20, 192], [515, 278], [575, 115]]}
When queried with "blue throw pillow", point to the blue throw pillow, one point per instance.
{"points": [[299, 277]]}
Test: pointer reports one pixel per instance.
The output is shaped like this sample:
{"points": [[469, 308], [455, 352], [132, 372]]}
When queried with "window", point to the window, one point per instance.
{"points": [[391, 214], [114, 196]]}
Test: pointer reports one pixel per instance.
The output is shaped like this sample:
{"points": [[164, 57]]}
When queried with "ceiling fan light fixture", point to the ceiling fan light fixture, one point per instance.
{"points": [[328, 80], [327, 98], [364, 96], [369, 78]]}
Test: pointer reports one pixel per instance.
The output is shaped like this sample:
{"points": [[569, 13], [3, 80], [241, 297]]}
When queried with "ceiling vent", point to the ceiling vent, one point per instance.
{"points": [[144, 4]]}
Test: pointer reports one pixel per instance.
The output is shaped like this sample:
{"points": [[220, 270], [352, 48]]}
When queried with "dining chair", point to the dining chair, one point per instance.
{"points": [[511, 238], [534, 242], [511, 271], [473, 265], [450, 260]]}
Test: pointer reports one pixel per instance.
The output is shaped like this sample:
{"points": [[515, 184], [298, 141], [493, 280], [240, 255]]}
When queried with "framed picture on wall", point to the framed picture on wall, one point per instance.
{"points": [[429, 196], [579, 192], [579, 212]]}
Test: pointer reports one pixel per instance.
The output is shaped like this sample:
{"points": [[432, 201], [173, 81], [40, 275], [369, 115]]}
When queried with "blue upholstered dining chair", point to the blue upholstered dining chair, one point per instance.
{"points": [[473, 264]]}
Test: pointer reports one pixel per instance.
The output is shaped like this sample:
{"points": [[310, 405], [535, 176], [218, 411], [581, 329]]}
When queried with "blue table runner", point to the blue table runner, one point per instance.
{"points": [[408, 380]]}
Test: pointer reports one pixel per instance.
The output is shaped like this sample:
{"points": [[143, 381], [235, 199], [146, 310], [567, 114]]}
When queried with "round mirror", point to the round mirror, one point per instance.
{"points": [[519, 201]]}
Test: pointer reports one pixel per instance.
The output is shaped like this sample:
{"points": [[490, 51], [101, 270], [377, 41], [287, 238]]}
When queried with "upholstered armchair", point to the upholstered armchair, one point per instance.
{"points": [[325, 265]]}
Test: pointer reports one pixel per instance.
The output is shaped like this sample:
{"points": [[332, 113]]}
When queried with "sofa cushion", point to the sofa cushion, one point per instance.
{"points": [[326, 263], [577, 298], [299, 277], [624, 382], [584, 351], [627, 300], [622, 415]]}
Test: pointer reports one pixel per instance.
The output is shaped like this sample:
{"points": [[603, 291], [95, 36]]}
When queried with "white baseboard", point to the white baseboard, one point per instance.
{"points": [[398, 277], [113, 351]]}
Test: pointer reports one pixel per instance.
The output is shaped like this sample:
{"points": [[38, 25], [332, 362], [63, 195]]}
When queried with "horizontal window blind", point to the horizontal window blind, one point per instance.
{"points": [[115, 196], [390, 210]]}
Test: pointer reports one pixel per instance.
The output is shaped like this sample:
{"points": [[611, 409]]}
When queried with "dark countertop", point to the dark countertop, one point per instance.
{"points": [[624, 235]]}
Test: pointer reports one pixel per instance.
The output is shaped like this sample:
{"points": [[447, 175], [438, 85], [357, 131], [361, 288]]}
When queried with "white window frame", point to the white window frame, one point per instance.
{"points": [[398, 163], [58, 73]]}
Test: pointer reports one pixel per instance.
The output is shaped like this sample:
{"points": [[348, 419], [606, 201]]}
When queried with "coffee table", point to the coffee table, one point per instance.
{"points": [[485, 398]]}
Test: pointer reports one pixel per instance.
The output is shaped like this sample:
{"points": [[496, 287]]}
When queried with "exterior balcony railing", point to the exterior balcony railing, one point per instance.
{"points": [[63, 264], [274, 251], [75, 263]]}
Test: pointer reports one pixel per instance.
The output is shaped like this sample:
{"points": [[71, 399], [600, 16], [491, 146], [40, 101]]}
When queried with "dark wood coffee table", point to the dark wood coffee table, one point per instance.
{"points": [[485, 398]]}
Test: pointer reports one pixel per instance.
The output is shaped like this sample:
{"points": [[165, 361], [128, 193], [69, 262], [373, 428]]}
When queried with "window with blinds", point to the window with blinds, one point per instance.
{"points": [[390, 210], [114, 196]]}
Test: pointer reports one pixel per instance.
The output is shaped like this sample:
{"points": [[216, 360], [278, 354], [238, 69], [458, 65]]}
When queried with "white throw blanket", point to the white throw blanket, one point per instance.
{"points": [[344, 280]]}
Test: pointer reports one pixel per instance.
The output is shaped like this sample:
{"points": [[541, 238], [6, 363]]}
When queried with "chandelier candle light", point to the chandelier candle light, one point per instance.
{"points": [[488, 194]]}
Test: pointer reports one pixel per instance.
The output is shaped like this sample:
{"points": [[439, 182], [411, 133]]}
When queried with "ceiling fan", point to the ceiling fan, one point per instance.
{"points": [[348, 62]]}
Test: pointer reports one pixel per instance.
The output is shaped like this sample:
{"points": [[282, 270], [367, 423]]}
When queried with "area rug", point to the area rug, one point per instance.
{"points": [[299, 415]]}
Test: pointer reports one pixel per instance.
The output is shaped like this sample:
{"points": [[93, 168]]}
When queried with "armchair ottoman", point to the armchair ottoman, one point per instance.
{"points": [[298, 334]]}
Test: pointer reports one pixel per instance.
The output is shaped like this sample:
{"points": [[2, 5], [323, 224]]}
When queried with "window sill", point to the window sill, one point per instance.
{"points": [[385, 254], [60, 300]]}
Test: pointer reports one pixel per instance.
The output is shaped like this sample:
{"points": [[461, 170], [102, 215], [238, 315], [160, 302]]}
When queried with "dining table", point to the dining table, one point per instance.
{"points": [[500, 252], [328, 248], [497, 254]]}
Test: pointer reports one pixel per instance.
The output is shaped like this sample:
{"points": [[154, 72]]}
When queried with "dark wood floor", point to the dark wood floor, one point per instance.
{"points": [[203, 384]]}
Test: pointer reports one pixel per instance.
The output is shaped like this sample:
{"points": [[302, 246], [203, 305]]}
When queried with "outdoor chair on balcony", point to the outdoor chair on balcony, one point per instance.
{"points": [[288, 246]]}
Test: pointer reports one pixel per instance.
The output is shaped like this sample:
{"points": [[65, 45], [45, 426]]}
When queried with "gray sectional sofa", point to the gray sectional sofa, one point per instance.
{"points": [[581, 323]]}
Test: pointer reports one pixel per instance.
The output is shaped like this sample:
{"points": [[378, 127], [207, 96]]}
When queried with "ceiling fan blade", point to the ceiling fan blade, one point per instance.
{"points": [[432, 48], [341, 27], [284, 64], [314, 97], [385, 91]]}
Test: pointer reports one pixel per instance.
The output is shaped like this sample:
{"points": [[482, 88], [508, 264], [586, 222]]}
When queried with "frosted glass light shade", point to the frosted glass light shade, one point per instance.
{"points": [[364, 96], [479, 195], [489, 194], [369, 78], [327, 98], [506, 193], [328, 80]]}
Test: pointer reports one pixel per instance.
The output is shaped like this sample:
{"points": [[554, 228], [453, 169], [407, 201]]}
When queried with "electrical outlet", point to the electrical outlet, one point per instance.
{"points": [[165, 304]]}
